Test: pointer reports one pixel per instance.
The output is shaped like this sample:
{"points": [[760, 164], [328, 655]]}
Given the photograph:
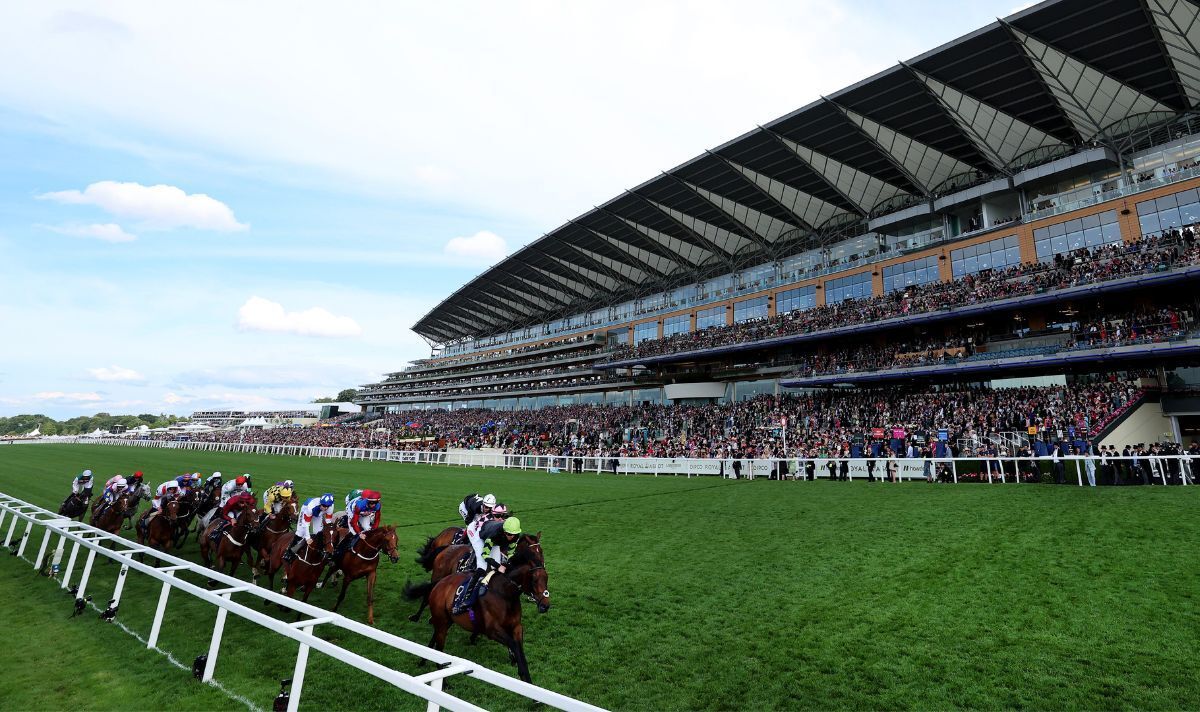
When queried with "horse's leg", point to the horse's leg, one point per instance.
{"points": [[328, 575], [518, 636], [371, 598], [342, 594], [424, 603]]}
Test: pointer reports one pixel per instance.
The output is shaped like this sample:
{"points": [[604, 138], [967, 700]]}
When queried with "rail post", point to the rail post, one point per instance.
{"points": [[214, 646], [25, 538], [66, 578], [298, 674], [12, 527], [87, 573], [156, 626], [37, 563]]}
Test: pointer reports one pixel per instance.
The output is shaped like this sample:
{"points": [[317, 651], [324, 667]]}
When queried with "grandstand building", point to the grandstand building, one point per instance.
{"points": [[1015, 203]]}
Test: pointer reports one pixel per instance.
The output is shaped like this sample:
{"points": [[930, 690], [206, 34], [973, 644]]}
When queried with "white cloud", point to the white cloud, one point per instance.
{"points": [[108, 232], [485, 247], [175, 399], [115, 373], [259, 314], [156, 207], [71, 397]]}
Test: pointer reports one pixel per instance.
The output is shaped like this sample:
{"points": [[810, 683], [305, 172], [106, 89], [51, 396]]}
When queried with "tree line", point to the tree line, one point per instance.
{"points": [[22, 424]]}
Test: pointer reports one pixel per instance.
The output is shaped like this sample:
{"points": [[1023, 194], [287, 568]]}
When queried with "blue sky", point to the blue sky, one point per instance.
{"points": [[235, 205]]}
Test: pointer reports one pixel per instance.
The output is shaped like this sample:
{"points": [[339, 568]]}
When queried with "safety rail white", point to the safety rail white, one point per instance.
{"points": [[1001, 469], [427, 686]]}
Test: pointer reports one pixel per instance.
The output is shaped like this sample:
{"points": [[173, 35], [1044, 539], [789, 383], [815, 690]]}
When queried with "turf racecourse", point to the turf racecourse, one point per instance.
{"points": [[671, 593]]}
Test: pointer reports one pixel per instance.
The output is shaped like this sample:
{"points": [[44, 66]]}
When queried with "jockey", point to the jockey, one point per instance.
{"points": [[212, 483], [350, 497], [138, 488], [114, 488], [240, 485], [473, 505], [364, 513], [166, 491], [82, 484], [276, 495], [315, 515], [231, 509], [500, 512], [187, 482], [498, 541]]}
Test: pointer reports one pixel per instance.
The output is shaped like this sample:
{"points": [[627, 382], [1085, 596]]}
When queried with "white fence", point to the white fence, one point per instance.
{"points": [[991, 469], [84, 537]]}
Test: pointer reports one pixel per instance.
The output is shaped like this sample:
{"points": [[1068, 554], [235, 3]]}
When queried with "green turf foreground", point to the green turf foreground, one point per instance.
{"points": [[672, 593]]}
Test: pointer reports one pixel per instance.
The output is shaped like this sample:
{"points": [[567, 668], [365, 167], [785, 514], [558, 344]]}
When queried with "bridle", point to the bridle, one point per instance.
{"points": [[363, 540]]}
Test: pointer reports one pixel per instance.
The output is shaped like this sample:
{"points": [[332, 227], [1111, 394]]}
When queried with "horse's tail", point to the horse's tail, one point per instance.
{"points": [[417, 591], [427, 554]]}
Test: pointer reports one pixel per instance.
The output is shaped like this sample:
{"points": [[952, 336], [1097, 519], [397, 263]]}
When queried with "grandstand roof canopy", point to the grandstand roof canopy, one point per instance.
{"points": [[1036, 84]]}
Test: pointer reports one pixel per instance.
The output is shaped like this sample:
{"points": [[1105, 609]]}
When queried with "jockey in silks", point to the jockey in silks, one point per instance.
{"points": [[82, 484], [276, 495], [499, 541], [212, 484], [114, 488], [137, 488], [241, 485], [187, 482], [230, 511], [499, 512], [473, 505], [315, 515], [166, 491], [363, 514]]}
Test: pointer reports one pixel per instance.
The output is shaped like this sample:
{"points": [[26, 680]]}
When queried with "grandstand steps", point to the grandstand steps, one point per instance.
{"points": [[1142, 422]]}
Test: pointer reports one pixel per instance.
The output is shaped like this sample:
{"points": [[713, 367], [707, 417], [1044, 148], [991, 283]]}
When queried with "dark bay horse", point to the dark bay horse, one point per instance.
{"points": [[159, 531], [461, 560], [232, 543], [183, 520], [302, 572], [496, 615], [361, 560], [274, 526], [450, 536], [74, 506]]}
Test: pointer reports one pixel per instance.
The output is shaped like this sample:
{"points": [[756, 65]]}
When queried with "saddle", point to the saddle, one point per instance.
{"points": [[460, 537], [466, 563]]}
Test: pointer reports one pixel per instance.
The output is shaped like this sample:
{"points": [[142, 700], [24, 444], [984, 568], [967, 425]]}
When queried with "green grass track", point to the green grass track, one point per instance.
{"points": [[670, 593]]}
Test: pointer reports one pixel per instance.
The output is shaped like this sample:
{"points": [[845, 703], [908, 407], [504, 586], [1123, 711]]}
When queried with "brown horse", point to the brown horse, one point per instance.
{"points": [[111, 517], [497, 613], [183, 520], [461, 560], [450, 536], [158, 532], [360, 560], [302, 572], [232, 543], [275, 526]]}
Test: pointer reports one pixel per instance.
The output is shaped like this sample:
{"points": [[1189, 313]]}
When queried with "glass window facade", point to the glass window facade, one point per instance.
{"points": [[1077, 234], [906, 274], [676, 324], [644, 331], [710, 317], [1169, 212], [750, 309], [793, 299], [856, 286], [997, 254]]}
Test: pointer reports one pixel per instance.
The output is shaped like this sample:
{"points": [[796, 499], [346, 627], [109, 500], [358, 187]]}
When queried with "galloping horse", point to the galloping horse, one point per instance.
{"points": [[302, 572], [362, 559], [274, 526], [74, 506], [158, 533], [232, 543], [497, 614], [206, 508], [461, 560], [136, 494], [183, 520], [110, 517], [450, 536]]}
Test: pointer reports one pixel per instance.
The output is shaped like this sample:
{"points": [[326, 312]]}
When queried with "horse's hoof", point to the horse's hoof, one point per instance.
{"points": [[415, 617]]}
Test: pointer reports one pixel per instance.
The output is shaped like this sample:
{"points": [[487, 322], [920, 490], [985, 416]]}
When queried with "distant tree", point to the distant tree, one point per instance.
{"points": [[323, 400], [49, 427], [347, 396]]}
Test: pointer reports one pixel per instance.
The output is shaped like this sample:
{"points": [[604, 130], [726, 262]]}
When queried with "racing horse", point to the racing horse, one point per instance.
{"points": [[496, 614], [450, 536], [183, 520], [273, 527], [461, 560], [302, 572], [158, 532], [207, 504], [74, 506], [141, 492], [361, 559], [231, 545], [110, 517]]}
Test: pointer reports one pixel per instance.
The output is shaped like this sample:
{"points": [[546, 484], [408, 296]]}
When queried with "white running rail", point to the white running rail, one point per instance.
{"points": [[84, 537]]}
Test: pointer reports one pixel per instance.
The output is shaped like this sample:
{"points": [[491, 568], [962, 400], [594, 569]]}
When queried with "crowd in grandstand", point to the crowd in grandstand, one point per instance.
{"points": [[1084, 266]]}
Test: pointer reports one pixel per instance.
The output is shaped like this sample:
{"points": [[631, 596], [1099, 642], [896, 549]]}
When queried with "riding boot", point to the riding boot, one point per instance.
{"points": [[293, 550], [462, 602]]}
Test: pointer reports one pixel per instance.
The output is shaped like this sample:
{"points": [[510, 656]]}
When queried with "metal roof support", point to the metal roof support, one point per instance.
{"points": [[578, 276], [519, 297], [647, 244], [854, 206], [565, 283], [702, 241], [600, 266], [887, 155], [799, 222], [625, 257], [744, 230]]}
